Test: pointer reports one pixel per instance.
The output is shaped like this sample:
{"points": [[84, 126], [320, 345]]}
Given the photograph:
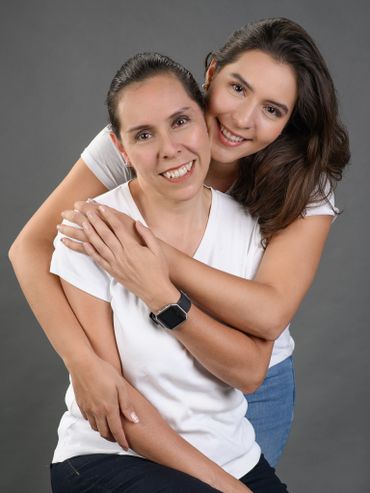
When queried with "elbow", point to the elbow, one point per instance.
{"points": [[254, 379], [274, 325], [14, 250]]}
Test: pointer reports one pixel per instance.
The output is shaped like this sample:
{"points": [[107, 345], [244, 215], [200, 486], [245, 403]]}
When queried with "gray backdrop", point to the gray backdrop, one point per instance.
{"points": [[57, 59]]}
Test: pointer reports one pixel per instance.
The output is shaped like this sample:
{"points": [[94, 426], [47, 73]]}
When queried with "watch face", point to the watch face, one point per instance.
{"points": [[172, 316]]}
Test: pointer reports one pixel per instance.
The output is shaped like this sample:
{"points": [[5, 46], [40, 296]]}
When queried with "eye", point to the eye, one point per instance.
{"points": [[272, 111], [181, 121], [142, 136], [238, 88]]}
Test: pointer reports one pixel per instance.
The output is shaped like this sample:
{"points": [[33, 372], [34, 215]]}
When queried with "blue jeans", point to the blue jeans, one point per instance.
{"points": [[107, 473], [270, 410]]}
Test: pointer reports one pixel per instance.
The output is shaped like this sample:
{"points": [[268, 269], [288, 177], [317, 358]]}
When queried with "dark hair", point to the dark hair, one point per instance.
{"points": [[141, 67], [305, 162]]}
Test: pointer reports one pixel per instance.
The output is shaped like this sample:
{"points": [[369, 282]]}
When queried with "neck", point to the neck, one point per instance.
{"points": [[180, 223], [221, 176]]}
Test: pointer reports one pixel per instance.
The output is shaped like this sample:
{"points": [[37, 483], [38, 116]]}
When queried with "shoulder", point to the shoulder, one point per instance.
{"points": [[119, 198]]}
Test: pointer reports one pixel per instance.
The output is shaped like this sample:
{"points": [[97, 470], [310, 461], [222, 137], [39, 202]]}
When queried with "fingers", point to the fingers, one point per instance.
{"points": [[148, 237], [115, 425], [103, 428], [85, 207], [93, 236], [74, 216], [107, 236], [72, 232], [73, 245], [126, 408], [121, 224]]}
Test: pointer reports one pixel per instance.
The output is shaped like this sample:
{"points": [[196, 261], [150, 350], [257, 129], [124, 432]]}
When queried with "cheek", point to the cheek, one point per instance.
{"points": [[219, 102], [270, 131]]}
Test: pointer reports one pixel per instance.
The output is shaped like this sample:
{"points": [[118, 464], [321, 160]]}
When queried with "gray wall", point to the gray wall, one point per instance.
{"points": [[57, 60]]}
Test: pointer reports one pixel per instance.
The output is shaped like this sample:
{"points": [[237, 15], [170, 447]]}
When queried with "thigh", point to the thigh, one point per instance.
{"points": [[270, 410], [262, 479], [108, 473]]}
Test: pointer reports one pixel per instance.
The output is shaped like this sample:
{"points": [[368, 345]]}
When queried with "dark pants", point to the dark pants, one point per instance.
{"points": [[106, 473]]}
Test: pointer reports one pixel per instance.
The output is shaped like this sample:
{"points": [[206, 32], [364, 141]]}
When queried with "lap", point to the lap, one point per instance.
{"points": [[107, 473]]}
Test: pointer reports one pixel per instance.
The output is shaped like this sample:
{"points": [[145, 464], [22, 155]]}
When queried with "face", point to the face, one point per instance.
{"points": [[250, 102], [164, 137]]}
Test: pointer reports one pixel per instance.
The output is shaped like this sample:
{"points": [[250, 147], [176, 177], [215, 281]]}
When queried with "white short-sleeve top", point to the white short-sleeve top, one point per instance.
{"points": [[104, 160], [204, 410]]}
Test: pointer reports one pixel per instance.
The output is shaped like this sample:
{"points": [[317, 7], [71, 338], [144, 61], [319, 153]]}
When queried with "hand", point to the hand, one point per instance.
{"points": [[101, 395], [128, 251], [79, 215]]}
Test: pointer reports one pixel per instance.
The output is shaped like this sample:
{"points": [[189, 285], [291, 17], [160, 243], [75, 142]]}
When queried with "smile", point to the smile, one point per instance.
{"points": [[229, 138], [175, 174]]}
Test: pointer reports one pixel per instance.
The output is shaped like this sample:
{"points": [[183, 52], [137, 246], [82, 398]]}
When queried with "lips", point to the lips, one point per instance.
{"points": [[176, 174], [229, 138]]}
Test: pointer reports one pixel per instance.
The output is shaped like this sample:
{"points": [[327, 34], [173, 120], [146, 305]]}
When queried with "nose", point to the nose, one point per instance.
{"points": [[169, 147], [244, 115]]}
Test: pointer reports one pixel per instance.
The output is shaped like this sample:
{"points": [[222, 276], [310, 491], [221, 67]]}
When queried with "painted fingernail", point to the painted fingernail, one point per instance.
{"points": [[134, 417]]}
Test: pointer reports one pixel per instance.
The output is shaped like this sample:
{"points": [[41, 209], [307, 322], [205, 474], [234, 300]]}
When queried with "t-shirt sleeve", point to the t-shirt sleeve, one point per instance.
{"points": [[103, 159], [79, 270], [324, 207]]}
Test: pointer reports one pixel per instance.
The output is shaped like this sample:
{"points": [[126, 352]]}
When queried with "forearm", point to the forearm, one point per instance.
{"points": [[46, 298], [154, 439], [235, 358], [265, 305], [251, 307]]}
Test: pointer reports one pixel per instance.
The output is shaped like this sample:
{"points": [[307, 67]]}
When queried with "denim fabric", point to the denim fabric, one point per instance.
{"points": [[270, 410], [108, 473]]}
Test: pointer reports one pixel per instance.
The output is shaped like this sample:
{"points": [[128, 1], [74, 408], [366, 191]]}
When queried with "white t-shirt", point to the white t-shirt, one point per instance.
{"points": [[204, 410], [104, 160]]}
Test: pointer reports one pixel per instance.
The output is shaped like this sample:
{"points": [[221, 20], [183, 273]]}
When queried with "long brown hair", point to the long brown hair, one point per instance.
{"points": [[304, 164]]}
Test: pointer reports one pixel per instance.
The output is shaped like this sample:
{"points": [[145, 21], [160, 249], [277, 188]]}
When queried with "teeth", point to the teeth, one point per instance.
{"points": [[229, 135], [177, 173]]}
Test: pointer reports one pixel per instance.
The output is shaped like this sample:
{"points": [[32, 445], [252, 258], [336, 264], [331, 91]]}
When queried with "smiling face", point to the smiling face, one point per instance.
{"points": [[164, 137], [249, 103]]}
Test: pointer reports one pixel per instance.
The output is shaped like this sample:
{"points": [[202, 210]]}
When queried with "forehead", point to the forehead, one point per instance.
{"points": [[269, 77], [152, 100]]}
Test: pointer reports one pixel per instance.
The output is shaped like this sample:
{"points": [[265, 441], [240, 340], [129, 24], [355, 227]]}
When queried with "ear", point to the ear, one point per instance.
{"points": [[211, 70], [117, 142]]}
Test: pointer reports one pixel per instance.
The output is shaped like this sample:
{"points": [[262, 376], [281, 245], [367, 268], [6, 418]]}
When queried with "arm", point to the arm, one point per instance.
{"points": [[95, 382], [152, 437], [262, 307], [237, 359]]}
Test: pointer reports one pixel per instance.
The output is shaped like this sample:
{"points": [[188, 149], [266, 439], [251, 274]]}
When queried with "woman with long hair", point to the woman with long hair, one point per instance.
{"points": [[278, 148]]}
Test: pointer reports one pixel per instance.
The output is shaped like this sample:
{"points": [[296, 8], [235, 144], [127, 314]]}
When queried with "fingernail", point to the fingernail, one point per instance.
{"points": [[134, 417], [101, 208], [58, 227], [85, 225]]}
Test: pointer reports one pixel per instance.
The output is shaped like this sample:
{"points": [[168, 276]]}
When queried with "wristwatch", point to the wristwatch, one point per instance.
{"points": [[173, 315]]}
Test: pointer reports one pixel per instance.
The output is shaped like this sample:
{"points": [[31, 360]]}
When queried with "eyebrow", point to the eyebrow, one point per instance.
{"points": [[282, 106], [144, 126]]}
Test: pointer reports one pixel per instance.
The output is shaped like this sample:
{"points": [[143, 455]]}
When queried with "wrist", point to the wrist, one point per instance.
{"points": [[165, 296]]}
